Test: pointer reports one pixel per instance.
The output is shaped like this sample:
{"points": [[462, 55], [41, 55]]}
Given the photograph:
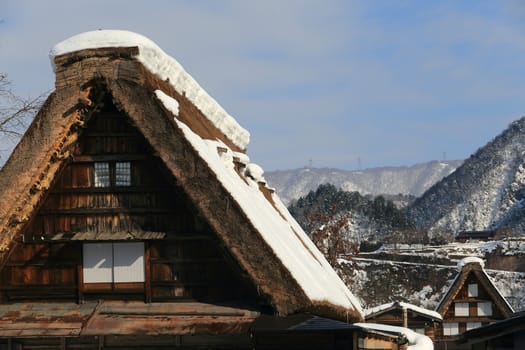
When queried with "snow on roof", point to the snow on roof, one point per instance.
{"points": [[415, 340], [280, 231], [420, 310], [163, 66], [470, 260]]}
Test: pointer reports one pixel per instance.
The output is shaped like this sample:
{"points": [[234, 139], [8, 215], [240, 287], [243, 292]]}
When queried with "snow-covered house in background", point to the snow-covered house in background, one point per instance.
{"points": [[130, 216], [471, 301], [406, 315]]}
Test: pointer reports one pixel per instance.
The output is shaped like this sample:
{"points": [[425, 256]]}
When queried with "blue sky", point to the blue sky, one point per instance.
{"points": [[328, 83]]}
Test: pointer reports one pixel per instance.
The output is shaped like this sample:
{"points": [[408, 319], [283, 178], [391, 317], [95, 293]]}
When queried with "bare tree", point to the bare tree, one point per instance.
{"points": [[15, 111]]}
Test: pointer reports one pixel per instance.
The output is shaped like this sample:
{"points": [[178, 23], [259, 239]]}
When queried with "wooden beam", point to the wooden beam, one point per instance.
{"points": [[109, 158]]}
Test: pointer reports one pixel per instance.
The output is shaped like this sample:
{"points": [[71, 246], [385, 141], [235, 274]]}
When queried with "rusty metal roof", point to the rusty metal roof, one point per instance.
{"points": [[122, 318], [43, 319]]}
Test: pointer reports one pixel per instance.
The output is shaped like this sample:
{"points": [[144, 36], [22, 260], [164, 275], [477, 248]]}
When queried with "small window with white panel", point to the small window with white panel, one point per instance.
{"points": [[472, 325], [485, 308], [450, 328], [473, 290], [461, 309]]}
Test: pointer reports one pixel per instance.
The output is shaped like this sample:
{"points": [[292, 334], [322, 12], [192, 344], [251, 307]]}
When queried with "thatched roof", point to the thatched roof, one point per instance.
{"points": [[474, 266], [199, 143]]}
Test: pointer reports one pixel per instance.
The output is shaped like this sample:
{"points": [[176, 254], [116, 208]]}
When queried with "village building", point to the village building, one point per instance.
{"points": [[508, 334], [402, 314], [485, 236], [132, 218], [471, 301]]}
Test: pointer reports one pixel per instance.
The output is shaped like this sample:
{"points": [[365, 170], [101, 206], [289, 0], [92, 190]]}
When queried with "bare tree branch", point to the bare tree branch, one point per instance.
{"points": [[15, 112]]}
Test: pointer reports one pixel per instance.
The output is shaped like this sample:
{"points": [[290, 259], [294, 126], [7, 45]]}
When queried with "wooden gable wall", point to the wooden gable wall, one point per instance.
{"points": [[183, 257], [463, 312]]}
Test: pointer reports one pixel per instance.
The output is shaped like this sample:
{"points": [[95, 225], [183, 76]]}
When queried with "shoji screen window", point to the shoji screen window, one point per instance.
{"points": [[113, 262]]}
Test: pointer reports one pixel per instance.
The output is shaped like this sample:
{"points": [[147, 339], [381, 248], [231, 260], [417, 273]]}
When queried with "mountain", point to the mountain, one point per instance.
{"points": [[330, 214], [413, 180], [486, 192]]}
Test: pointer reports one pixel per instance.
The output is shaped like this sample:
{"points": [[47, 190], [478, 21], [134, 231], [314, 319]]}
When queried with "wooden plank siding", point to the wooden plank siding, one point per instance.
{"points": [[189, 263]]}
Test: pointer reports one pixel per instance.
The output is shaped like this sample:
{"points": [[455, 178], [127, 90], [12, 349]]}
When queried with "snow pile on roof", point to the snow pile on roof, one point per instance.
{"points": [[291, 245], [470, 260], [415, 340], [163, 66], [403, 305]]}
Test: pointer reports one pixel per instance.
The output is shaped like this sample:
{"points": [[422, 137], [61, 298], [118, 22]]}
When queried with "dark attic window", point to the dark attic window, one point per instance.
{"points": [[108, 174]]}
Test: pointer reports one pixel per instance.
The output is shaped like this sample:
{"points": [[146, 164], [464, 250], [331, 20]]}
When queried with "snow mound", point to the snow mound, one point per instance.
{"points": [[470, 260], [165, 68], [415, 340]]}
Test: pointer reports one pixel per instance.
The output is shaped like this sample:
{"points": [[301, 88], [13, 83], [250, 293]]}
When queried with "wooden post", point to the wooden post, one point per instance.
{"points": [[147, 272], [405, 317], [80, 281]]}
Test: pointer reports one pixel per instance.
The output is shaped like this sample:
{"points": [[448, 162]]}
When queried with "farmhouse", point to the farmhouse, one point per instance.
{"points": [[131, 217], [472, 301], [406, 315]]}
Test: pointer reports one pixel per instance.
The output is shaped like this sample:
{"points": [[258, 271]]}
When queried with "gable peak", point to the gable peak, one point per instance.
{"points": [[471, 260], [160, 64]]}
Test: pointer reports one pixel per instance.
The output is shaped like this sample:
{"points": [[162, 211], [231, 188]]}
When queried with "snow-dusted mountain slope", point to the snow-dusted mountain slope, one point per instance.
{"points": [[486, 192], [413, 180]]}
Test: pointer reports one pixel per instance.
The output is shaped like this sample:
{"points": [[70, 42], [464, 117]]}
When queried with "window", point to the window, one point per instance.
{"points": [[450, 328], [113, 262], [485, 308], [108, 174], [472, 325], [122, 174], [102, 175], [461, 309], [473, 290]]}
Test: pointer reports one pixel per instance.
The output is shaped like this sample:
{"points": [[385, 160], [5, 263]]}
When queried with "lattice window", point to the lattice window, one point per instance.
{"points": [[122, 174], [107, 174], [102, 174]]}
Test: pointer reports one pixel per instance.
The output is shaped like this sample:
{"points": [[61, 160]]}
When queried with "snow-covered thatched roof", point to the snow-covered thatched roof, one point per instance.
{"points": [[200, 144], [377, 310], [476, 267]]}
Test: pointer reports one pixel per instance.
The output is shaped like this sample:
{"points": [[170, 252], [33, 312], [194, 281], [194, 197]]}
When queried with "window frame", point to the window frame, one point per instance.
{"points": [[473, 290], [450, 328], [115, 174], [113, 254], [461, 309], [481, 310]]}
